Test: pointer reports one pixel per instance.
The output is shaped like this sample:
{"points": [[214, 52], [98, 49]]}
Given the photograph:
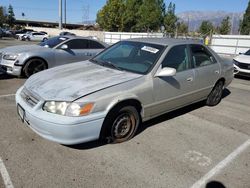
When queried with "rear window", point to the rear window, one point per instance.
{"points": [[95, 45]]}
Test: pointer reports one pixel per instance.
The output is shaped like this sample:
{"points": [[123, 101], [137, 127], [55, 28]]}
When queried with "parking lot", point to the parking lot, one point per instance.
{"points": [[189, 147]]}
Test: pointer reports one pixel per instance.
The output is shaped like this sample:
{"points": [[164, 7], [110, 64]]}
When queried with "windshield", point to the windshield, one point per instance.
{"points": [[248, 52], [137, 57], [52, 42]]}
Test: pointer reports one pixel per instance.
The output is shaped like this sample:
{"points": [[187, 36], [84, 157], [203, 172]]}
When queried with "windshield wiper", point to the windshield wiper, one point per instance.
{"points": [[106, 64], [109, 64]]}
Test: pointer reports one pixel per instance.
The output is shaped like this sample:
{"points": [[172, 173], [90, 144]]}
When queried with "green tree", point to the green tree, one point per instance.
{"points": [[225, 26], [11, 16], [2, 16], [110, 17], [206, 28], [182, 28], [245, 26], [150, 15], [131, 15], [170, 19]]}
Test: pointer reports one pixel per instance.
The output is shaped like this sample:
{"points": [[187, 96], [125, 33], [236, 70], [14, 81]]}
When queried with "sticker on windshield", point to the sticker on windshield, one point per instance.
{"points": [[150, 49], [62, 38]]}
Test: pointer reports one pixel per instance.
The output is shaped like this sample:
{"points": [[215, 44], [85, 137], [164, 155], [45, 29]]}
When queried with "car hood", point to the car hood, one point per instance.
{"points": [[23, 48], [243, 59], [70, 82]]}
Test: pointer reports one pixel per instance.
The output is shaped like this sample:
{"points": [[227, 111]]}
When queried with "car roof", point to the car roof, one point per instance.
{"points": [[165, 41], [89, 38]]}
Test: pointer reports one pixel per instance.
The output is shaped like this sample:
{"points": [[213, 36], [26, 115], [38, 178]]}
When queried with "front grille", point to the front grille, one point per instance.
{"points": [[29, 98], [244, 66]]}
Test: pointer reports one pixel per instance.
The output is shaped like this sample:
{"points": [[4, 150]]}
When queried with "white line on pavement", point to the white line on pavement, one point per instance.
{"points": [[221, 165], [8, 95], [5, 175]]}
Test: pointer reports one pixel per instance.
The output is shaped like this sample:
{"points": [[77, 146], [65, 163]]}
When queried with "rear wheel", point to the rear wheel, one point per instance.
{"points": [[44, 39], [215, 96], [121, 125], [34, 66]]}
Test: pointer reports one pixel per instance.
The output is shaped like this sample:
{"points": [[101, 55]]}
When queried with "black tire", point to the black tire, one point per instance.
{"points": [[215, 96], [44, 39], [120, 124], [34, 66]]}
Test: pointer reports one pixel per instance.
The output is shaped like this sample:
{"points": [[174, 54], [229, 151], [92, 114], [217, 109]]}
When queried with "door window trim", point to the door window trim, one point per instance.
{"points": [[188, 54], [207, 50]]}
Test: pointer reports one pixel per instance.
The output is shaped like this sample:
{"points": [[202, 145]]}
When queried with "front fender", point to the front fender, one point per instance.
{"points": [[122, 98]]}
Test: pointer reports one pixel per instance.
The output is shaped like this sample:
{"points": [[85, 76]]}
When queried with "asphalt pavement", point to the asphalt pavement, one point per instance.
{"points": [[189, 147]]}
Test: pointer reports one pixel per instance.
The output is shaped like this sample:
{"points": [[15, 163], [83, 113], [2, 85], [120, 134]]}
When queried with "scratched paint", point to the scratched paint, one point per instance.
{"points": [[67, 83]]}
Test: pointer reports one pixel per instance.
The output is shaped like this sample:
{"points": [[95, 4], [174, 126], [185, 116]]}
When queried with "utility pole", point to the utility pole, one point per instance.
{"points": [[65, 16], [232, 24], [60, 14]]}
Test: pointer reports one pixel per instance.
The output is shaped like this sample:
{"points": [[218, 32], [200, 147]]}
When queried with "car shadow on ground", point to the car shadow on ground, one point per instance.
{"points": [[242, 77], [152, 122], [4, 76]]}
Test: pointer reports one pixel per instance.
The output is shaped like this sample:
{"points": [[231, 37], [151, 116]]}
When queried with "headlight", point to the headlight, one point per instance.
{"points": [[68, 109], [236, 62], [11, 57]]}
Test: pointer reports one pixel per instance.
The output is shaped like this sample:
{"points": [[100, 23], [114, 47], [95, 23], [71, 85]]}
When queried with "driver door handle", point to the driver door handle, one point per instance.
{"points": [[190, 79]]}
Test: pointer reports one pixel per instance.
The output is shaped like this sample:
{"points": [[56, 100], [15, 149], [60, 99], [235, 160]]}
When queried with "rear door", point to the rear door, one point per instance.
{"points": [[95, 48], [207, 69]]}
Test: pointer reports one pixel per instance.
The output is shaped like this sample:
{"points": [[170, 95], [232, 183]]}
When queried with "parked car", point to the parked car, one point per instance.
{"points": [[242, 64], [29, 59], [66, 33], [8, 33], [1, 33], [19, 36], [22, 32], [35, 36], [44, 32], [110, 95]]}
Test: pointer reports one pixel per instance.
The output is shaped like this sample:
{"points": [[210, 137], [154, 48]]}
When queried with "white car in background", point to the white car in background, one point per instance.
{"points": [[242, 64], [21, 35], [36, 36]]}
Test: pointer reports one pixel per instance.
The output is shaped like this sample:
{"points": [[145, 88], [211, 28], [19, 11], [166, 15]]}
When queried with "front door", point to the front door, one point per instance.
{"points": [[174, 91]]}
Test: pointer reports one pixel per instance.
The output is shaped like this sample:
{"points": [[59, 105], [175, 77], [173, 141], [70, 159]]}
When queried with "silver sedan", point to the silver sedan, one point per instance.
{"points": [[29, 59], [110, 95]]}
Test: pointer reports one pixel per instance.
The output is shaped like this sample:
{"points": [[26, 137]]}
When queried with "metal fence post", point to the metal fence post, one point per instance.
{"points": [[236, 47]]}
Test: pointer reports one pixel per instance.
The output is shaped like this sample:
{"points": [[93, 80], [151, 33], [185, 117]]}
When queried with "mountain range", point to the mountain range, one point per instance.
{"points": [[195, 18]]}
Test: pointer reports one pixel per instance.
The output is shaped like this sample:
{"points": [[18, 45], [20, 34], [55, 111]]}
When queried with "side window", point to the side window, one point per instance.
{"points": [[177, 58], [95, 45], [77, 44], [201, 56]]}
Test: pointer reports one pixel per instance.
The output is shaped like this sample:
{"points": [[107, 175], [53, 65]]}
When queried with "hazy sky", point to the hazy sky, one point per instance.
{"points": [[79, 10]]}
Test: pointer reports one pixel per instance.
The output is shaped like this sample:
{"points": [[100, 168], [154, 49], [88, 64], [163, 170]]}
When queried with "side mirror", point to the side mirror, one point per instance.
{"points": [[64, 47], [167, 71]]}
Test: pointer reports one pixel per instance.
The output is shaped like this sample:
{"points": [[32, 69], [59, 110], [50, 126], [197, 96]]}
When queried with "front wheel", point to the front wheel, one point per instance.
{"points": [[33, 66], [215, 96], [121, 125]]}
